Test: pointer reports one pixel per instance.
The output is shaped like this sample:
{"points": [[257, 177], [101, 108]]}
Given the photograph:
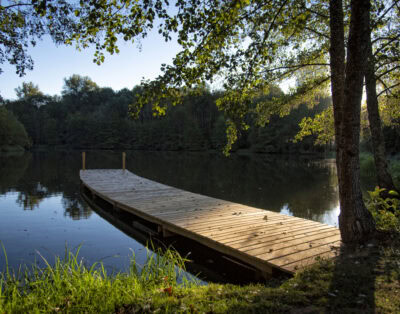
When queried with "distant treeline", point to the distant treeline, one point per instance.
{"points": [[87, 116]]}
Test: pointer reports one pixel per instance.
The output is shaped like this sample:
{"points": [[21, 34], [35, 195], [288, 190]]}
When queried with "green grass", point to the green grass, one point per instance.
{"points": [[367, 280], [70, 286]]}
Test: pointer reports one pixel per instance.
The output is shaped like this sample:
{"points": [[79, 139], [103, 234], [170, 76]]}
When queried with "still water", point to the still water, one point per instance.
{"points": [[41, 209]]}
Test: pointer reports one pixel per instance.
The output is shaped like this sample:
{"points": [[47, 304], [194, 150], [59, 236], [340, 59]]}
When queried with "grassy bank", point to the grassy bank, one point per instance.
{"points": [[366, 279]]}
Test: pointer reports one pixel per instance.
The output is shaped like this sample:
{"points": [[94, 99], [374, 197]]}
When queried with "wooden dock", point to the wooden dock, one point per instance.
{"points": [[264, 239]]}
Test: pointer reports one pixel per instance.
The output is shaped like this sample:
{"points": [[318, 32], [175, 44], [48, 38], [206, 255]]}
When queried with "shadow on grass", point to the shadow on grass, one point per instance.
{"points": [[352, 287]]}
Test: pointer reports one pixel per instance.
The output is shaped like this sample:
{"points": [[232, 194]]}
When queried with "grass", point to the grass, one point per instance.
{"points": [[70, 286], [364, 281]]}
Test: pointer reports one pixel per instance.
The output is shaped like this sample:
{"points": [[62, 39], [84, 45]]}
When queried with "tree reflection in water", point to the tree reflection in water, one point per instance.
{"points": [[304, 187], [41, 207], [40, 175]]}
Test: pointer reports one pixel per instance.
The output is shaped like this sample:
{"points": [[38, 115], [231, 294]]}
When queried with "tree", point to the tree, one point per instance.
{"points": [[77, 85], [278, 41], [251, 44], [347, 73], [378, 144], [379, 69], [12, 132], [22, 23], [77, 92], [27, 90]]}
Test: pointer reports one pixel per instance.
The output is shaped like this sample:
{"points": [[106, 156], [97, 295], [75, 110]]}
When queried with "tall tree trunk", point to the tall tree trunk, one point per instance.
{"points": [[337, 56], [355, 222], [383, 176]]}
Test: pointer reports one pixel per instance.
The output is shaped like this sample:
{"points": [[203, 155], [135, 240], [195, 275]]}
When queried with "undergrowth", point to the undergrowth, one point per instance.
{"points": [[385, 210]]}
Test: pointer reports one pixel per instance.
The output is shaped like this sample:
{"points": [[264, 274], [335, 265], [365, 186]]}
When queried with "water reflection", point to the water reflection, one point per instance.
{"points": [[304, 187], [301, 187], [12, 168], [31, 201], [41, 207], [207, 264], [40, 175], [75, 209]]}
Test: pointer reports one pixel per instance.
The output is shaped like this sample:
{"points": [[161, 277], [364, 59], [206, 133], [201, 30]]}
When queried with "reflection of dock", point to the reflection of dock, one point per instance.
{"points": [[266, 240], [203, 262]]}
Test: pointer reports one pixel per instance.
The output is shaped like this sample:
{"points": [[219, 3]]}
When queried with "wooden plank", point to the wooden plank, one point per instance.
{"points": [[239, 242], [279, 244], [232, 222], [151, 207], [260, 238], [288, 256], [256, 228], [227, 216], [123, 161], [282, 236], [140, 198], [204, 211], [248, 233]]}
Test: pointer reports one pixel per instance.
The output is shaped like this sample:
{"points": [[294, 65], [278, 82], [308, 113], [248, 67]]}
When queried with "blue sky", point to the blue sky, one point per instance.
{"points": [[54, 63]]}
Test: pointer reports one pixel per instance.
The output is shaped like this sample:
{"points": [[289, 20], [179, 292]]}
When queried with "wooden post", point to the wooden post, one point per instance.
{"points": [[83, 160], [123, 161]]}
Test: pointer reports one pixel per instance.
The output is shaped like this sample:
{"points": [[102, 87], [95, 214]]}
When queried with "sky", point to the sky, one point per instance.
{"points": [[123, 70], [54, 63]]}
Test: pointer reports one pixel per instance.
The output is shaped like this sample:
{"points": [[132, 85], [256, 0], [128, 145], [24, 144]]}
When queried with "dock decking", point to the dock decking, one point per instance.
{"points": [[264, 239]]}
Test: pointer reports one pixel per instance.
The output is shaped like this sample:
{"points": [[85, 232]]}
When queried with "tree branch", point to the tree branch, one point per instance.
{"points": [[316, 32], [15, 5], [318, 13], [388, 71], [388, 43], [298, 66], [387, 89], [383, 14]]}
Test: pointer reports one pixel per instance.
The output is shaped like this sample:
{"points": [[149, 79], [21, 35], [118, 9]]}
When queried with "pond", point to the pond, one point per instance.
{"points": [[42, 210]]}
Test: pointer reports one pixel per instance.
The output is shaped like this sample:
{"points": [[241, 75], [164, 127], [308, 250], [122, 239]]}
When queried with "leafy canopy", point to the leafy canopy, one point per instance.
{"points": [[244, 45], [23, 23]]}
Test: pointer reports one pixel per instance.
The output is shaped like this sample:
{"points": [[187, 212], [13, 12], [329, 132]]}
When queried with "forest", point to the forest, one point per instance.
{"points": [[86, 116]]}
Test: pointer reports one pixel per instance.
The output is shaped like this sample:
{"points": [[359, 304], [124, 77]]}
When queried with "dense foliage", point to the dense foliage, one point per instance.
{"points": [[12, 132], [386, 211], [23, 23], [87, 116]]}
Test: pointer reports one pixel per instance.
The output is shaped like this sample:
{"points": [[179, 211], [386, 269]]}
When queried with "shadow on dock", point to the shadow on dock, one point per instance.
{"points": [[205, 263]]}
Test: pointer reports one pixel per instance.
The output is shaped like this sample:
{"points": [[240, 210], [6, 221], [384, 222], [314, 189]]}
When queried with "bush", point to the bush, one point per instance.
{"points": [[12, 132], [386, 211]]}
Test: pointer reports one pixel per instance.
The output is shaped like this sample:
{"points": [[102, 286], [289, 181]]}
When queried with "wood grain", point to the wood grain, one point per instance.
{"points": [[261, 238]]}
